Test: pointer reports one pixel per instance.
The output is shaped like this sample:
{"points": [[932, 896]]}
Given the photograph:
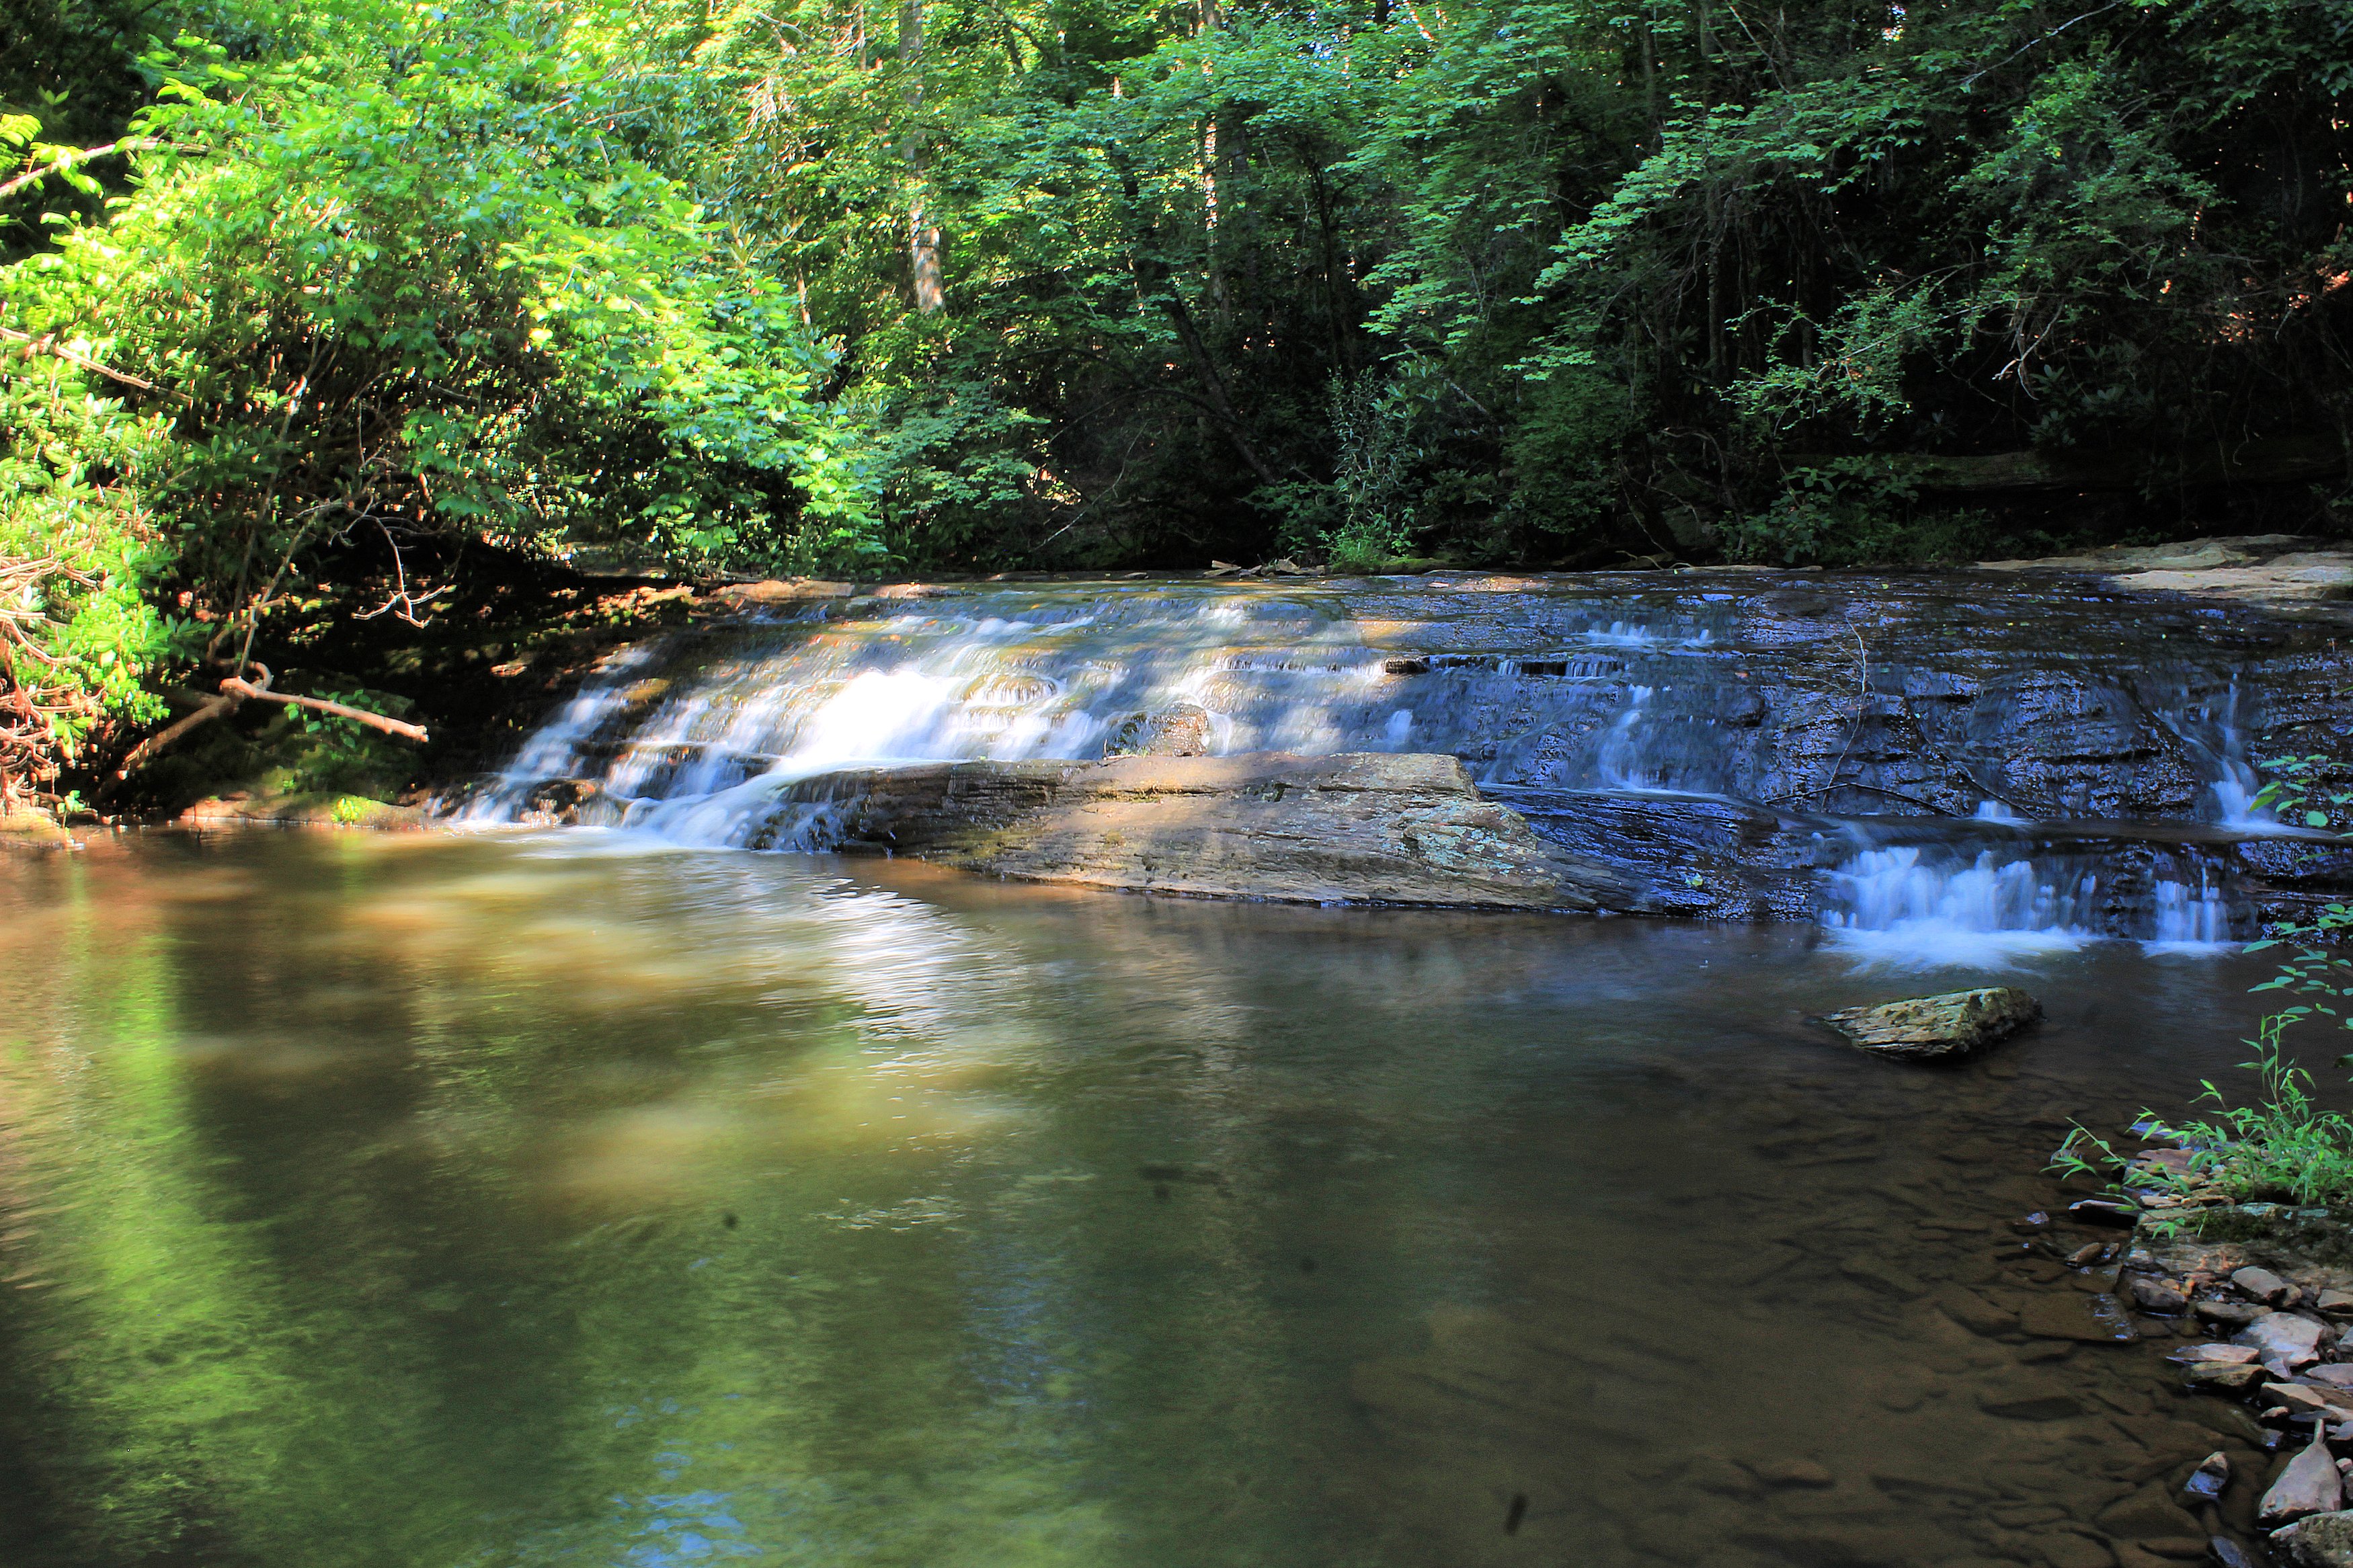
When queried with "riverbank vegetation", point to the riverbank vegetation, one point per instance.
{"points": [[307, 309], [2284, 1146]]}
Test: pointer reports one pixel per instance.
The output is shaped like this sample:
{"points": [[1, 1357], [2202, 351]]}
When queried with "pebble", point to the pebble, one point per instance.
{"points": [[2263, 1285], [1792, 1473], [2308, 1398], [2237, 1314], [2156, 1295], [2228, 1553], [2225, 1376], [2337, 1303]]}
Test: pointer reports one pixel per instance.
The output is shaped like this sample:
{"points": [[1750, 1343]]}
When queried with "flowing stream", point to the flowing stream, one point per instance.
{"points": [[1954, 768], [444, 1201]]}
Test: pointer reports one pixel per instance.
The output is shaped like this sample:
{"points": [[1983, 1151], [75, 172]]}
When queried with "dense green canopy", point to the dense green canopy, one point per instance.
{"points": [[980, 284]]}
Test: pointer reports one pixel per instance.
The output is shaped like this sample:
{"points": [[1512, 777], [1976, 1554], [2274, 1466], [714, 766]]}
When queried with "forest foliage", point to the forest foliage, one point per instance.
{"points": [[971, 285]]}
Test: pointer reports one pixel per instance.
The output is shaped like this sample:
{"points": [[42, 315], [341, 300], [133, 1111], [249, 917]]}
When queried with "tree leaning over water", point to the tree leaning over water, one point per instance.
{"points": [[833, 286]]}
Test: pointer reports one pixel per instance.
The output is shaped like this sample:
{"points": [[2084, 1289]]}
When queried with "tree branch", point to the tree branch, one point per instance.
{"points": [[48, 344], [247, 691], [73, 155]]}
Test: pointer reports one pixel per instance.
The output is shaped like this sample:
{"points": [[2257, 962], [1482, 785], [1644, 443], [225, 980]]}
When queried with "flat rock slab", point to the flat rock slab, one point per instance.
{"points": [[1369, 828], [1923, 1029]]}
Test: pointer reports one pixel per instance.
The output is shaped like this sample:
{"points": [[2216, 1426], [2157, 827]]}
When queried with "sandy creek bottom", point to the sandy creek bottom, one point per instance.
{"points": [[432, 1201]]}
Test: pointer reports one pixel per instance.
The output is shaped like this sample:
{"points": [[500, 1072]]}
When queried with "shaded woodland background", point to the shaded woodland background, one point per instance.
{"points": [[305, 310]]}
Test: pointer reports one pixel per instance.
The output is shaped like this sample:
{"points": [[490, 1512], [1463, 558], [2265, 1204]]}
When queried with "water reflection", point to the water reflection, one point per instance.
{"points": [[420, 1201]]}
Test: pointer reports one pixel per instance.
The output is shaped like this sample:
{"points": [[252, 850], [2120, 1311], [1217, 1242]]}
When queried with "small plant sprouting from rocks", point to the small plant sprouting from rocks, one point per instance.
{"points": [[2284, 1147]]}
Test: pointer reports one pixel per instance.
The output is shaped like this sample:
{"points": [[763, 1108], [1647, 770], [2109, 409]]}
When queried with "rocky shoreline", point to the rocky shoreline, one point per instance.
{"points": [[2250, 1305]]}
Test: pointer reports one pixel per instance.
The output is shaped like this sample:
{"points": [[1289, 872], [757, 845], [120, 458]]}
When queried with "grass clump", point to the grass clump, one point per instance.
{"points": [[2284, 1147]]}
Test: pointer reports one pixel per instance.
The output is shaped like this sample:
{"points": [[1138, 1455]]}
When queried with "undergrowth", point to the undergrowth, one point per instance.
{"points": [[2284, 1146]]}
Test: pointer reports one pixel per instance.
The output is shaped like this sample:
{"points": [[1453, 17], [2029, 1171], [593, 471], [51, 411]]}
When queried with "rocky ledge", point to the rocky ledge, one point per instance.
{"points": [[2276, 569], [1355, 829]]}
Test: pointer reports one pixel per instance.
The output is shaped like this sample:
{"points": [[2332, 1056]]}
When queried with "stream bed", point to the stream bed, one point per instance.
{"points": [[564, 1198]]}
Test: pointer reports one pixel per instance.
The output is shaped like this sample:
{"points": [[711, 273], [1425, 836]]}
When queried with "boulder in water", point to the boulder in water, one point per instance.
{"points": [[1923, 1029]]}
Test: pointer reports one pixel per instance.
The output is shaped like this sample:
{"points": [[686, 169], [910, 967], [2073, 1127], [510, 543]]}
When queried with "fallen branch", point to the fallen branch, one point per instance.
{"points": [[154, 743], [252, 693], [234, 694]]}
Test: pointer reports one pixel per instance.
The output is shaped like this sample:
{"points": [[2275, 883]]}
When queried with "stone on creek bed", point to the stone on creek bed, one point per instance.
{"points": [[2086, 1319], [1924, 1028]]}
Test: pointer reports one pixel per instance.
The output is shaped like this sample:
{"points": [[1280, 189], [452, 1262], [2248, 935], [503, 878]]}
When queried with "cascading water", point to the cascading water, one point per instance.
{"points": [[1921, 745]]}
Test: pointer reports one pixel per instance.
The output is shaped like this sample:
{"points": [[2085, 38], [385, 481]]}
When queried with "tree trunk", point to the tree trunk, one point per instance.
{"points": [[922, 233]]}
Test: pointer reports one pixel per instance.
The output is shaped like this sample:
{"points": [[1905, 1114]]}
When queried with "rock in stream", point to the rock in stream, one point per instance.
{"points": [[1924, 1028]]}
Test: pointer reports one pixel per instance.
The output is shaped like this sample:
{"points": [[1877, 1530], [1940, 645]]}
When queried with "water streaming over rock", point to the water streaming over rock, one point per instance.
{"points": [[1922, 765]]}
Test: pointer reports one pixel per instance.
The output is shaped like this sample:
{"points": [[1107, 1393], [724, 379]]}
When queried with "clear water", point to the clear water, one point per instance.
{"points": [[430, 1200]]}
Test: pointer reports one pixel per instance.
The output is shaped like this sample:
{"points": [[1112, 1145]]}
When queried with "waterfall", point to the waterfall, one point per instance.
{"points": [[1906, 905], [1716, 690]]}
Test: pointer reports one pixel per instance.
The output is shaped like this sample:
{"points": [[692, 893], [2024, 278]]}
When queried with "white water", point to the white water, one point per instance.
{"points": [[1536, 692], [1899, 908]]}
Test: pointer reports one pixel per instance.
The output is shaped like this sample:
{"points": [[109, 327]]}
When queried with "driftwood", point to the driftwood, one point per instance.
{"points": [[234, 692]]}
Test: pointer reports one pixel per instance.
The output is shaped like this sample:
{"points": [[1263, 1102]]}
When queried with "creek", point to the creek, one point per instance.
{"points": [[570, 1198], [604, 1194], [1934, 768]]}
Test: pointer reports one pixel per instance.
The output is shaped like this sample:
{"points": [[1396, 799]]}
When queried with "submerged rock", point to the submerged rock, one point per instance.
{"points": [[1922, 1029], [2209, 1480], [1369, 828], [2087, 1319]]}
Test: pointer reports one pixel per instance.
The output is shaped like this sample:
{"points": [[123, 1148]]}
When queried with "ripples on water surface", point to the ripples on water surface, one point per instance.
{"points": [[430, 1201]]}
